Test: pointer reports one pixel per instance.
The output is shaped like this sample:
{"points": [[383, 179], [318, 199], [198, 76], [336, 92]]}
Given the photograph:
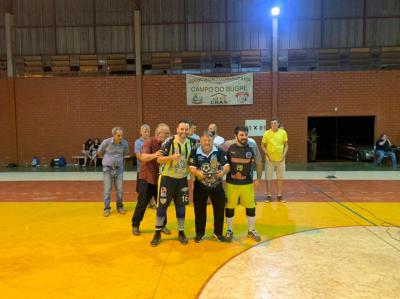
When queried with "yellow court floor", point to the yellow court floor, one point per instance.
{"points": [[69, 250]]}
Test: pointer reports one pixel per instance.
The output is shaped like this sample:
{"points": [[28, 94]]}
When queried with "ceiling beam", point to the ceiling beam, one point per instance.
{"points": [[136, 4], [6, 6]]}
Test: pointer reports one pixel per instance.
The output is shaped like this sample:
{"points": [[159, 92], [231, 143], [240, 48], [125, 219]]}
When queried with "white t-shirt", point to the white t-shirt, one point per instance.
{"points": [[218, 140]]}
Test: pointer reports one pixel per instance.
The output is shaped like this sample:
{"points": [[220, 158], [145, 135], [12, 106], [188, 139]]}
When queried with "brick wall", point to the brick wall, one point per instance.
{"points": [[165, 100], [55, 115], [7, 122], [317, 94], [388, 107], [353, 93]]}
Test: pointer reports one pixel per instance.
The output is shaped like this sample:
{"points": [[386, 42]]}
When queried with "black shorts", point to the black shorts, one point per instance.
{"points": [[172, 188]]}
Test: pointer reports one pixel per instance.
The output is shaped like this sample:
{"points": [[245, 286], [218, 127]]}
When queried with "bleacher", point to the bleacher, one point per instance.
{"points": [[206, 62]]}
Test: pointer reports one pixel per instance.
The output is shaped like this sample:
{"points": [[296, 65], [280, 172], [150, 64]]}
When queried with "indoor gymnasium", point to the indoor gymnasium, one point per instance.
{"points": [[199, 149]]}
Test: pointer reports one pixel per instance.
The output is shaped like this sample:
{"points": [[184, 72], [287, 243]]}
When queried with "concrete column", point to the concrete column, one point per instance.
{"points": [[9, 24], [138, 63], [275, 73], [12, 108]]}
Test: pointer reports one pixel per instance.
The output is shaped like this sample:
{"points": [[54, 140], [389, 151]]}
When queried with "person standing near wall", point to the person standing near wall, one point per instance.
{"points": [[113, 150], [274, 144], [218, 140], [192, 131], [312, 141]]}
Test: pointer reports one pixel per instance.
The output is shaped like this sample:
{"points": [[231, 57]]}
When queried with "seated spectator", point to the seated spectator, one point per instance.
{"points": [[93, 151], [86, 151], [383, 149]]}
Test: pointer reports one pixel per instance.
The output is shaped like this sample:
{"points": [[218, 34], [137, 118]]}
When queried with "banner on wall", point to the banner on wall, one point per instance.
{"points": [[235, 90]]}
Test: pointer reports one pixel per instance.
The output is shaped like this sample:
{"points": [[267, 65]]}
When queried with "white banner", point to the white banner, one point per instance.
{"points": [[236, 90], [257, 127]]}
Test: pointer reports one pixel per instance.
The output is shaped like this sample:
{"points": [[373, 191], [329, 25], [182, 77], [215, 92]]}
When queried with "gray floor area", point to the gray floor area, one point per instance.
{"points": [[316, 166], [315, 171]]}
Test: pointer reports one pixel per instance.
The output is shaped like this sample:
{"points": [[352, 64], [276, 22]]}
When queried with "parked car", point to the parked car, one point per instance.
{"points": [[356, 149]]}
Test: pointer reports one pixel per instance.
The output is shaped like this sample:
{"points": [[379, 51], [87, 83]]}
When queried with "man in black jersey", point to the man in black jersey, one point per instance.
{"points": [[239, 182], [209, 165]]}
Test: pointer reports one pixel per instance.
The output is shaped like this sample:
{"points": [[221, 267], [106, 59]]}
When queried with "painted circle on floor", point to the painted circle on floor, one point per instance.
{"points": [[343, 262]]}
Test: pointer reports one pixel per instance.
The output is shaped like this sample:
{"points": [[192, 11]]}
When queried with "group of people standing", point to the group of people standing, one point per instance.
{"points": [[166, 161]]}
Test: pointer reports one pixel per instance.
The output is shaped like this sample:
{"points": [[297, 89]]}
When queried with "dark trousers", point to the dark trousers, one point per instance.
{"points": [[200, 196], [137, 182], [146, 192]]}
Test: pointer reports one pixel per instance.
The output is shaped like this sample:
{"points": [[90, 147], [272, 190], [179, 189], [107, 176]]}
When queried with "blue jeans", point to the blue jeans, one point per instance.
{"points": [[381, 154], [111, 176]]}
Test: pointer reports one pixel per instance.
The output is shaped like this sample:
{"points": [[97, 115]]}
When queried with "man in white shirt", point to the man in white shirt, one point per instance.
{"points": [[218, 140]]}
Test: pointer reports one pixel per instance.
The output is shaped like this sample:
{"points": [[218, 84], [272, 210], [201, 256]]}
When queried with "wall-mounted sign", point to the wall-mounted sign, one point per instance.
{"points": [[257, 127], [236, 90]]}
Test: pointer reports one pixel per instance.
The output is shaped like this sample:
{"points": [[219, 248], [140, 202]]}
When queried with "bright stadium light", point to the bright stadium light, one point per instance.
{"points": [[275, 11]]}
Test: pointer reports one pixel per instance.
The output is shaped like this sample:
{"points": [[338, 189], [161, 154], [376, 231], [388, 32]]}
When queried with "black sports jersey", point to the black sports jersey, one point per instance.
{"points": [[241, 161], [195, 143], [210, 164]]}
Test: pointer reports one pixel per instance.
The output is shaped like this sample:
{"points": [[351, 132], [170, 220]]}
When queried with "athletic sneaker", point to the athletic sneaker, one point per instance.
{"points": [[156, 239], [106, 212], [280, 198], [135, 230], [229, 235], [166, 231], [268, 198], [182, 237], [121, 210], [254, 235], [219, 238], [198, 238]]}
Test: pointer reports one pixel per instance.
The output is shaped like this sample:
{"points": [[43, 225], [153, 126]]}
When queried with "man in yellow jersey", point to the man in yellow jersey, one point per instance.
{"points": [[239, 182], [275, 146], [172, 182]]}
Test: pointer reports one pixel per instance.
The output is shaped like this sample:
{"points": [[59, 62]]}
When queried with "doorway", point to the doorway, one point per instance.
{"points": [[332, 132]]}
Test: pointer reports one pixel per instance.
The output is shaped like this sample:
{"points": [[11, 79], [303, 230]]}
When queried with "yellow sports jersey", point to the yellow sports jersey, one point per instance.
{"points": [[176, 169], [275, 143]]}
